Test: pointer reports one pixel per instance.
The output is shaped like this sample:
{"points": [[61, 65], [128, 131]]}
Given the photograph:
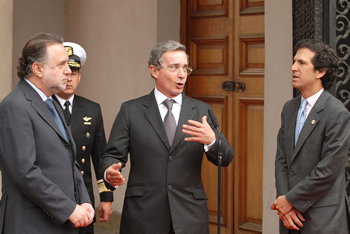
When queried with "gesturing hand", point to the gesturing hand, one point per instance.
{"points": [[200, 132], [114, 176]]}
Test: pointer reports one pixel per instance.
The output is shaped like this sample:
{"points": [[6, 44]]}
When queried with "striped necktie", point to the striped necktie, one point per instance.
{"points": [[169, 121]]}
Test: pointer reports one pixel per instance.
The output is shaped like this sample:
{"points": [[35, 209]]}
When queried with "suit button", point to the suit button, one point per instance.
{"points": [[83, 160], [87, 134], [83, 148], [171, 158], [82, 172], [67, 146], [170, 187]]}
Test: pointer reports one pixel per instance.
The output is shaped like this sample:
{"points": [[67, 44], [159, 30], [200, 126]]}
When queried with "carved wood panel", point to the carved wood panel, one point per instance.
{"points": [[252, 56], [250, 161], [209, 56]]}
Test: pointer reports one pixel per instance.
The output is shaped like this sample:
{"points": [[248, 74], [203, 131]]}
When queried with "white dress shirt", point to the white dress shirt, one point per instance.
{"points": [[311, 101]]}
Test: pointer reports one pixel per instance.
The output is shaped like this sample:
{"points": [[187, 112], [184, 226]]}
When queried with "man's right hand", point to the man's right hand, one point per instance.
{"points": [[78, 217], [292, 220], [113, 175]]}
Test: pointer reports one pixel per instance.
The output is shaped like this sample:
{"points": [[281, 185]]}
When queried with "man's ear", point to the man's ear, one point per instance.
{"points": [[154, 71], [320, 73], [37, 69]]}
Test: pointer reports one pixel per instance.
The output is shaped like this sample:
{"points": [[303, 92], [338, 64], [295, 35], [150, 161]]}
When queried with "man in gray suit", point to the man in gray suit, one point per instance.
{"points": [[312, 148], [42, 188], [165, 193]]}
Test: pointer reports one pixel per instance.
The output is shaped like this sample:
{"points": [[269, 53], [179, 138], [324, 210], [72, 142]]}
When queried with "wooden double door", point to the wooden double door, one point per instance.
{"points": [[225, 42]]}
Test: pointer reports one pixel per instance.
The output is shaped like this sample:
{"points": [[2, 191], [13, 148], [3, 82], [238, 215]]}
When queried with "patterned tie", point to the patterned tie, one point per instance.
{"points": [[66, 112], [169, 121], [300, 119], [56, 117]]}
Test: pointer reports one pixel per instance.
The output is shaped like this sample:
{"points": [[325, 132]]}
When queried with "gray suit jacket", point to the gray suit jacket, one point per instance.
{"points": [[164, 184], [41, 183], [312, 174]]}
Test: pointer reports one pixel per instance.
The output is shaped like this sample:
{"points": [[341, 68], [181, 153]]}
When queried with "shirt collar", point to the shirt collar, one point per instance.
{"points": [[313, 99], [62, 101], [161, 97], [41, 93]]}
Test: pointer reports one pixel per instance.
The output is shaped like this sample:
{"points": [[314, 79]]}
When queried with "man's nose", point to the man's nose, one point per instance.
{"points": [[67, 71], [182, 72]]}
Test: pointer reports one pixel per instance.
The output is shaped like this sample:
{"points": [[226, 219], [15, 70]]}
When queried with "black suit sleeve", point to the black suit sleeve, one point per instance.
{"points": [[98, 149], [221, 144], [118, 144]]}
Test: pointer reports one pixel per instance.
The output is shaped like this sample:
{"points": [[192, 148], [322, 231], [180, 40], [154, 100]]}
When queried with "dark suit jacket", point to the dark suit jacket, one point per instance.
{"points": [[41, 183], [164, 183], [312, 174], [90, 140]]}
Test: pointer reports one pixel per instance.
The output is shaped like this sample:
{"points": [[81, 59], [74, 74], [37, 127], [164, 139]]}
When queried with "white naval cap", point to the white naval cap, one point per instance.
{"points": [[76, 54]]}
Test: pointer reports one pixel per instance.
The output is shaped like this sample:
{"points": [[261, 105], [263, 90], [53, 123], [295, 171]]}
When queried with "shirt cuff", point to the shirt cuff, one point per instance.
{"points": [[206, 147]]}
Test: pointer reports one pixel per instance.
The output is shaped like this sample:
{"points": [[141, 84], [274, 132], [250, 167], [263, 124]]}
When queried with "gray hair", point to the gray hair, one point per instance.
{"points": [[157, 52]]}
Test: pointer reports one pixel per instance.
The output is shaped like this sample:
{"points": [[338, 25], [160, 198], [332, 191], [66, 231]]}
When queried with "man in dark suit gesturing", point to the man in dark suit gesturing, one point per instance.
{"points": [[85, 119], [165, 193], [42, 188], [312, 148]]}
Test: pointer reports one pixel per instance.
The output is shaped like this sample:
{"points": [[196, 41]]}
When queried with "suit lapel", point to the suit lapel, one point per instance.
{"points": [[311, 122], [289, 126], [40, 107], [77, 112], [187, 112], [152, 114]]}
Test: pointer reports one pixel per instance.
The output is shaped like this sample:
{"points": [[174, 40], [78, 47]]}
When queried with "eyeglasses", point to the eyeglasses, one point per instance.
{"points": [[176, 68]]}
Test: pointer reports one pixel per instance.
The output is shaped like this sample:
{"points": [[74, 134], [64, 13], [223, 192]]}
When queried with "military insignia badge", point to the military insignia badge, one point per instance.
{"points": [[69, 50], [86, 120]]}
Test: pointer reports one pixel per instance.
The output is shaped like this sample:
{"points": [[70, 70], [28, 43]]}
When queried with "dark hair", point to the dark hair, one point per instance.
{"points": [[325, 59], [35, 51]]}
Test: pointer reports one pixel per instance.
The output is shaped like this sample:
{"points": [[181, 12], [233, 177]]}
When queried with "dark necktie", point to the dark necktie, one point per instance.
{"points": [[300, 119], [67, 112], [169, 121], [56, 117]]}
